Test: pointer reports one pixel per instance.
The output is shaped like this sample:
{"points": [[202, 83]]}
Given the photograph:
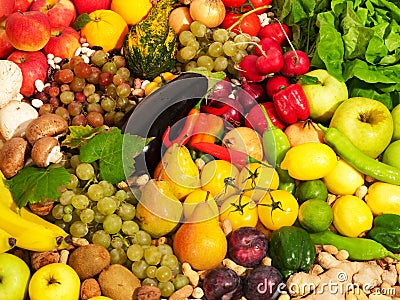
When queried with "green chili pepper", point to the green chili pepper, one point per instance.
{"points": [[386, 230], [360, 161], [360, 249], [275, 142], [286, 182]]}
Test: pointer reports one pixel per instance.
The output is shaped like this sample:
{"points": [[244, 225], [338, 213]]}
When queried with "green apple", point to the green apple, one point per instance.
{"points": [[396, 122], [391, 155], [325, 96], [54, 281], [14, 277], [366, 122]]}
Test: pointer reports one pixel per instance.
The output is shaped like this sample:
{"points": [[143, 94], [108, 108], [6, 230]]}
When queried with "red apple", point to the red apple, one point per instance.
{"points": [[28, 31], [6, 8], [33, 65], [63, 42], [84, 6], [22, 5], [60, 12], [5, 46]]}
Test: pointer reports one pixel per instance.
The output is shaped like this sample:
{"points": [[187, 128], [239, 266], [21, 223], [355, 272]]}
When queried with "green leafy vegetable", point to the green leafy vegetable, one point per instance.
{"points": [[34, 184], [79, 135], [115, 152]]}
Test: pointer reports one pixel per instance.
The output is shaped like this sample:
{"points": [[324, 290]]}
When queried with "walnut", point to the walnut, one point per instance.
{"points": [[90, 288], [40, 259], [147, 293]]}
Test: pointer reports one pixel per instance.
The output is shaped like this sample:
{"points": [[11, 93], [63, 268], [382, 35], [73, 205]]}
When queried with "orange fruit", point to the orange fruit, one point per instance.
{"points": [[133, 11], [106, 29]]}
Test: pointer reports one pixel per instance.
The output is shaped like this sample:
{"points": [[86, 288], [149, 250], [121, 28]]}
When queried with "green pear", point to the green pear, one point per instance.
{"points": [[158, 211]]}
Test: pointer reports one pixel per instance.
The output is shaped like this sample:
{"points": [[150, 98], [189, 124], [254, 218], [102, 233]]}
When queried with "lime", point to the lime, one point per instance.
{"points": [[311, 189], [315, 215]]}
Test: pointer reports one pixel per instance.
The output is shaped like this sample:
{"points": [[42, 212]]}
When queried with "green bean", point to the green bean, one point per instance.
{"points": [[359, 249], [359, 160]]}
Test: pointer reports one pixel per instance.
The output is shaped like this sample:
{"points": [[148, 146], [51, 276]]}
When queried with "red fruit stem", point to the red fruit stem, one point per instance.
{"points": [[287, 38], [246, 14]]}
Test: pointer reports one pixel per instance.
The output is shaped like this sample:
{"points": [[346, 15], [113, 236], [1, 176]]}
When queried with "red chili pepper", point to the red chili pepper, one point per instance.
{"points": [[187, 130], [215, 110], [238, 158], [291, 104]]}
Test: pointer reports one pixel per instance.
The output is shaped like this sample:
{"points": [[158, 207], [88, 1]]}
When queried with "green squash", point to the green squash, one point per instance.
{"points": [[150, 47]]}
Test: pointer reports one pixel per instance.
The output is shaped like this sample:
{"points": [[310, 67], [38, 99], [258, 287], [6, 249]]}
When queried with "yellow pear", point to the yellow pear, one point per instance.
{"points": [[196, 197], [179, 170], [158, 211], [201, 241]]}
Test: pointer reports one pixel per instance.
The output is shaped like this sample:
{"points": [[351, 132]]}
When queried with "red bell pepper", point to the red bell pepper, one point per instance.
{"points": [[291, 104]]}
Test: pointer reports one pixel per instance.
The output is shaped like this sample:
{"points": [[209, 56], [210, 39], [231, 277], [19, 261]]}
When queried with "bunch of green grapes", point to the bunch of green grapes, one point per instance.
{"points": [[215, 49], [105, 215]]}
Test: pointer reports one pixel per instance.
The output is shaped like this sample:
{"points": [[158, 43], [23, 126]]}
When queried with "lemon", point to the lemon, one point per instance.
{"points": [[315, 215], [309, 161], [383, 198], [351, 216], [311, 189], [343, 179]]}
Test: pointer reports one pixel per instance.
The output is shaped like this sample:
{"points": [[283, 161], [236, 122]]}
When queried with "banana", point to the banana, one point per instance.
{"points": [[29, 235], [7, 242], [5, 194]]}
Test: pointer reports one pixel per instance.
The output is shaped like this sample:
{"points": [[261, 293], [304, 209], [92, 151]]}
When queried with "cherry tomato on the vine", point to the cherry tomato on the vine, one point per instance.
{"points": [[231, 18], [256, 4], [259, 3], [234, 3], [250, 24]]}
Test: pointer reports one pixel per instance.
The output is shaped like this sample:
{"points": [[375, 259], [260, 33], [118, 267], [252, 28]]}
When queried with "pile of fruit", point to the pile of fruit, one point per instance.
{"points": [[203, 149]]}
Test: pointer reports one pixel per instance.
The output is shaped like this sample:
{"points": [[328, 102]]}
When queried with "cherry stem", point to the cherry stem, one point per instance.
{"points": [[246, 14]]}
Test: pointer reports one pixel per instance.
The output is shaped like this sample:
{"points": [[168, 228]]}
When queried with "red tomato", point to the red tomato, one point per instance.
{"points": [[234, 3], [230, 18], [250, 24], [259, 3]]}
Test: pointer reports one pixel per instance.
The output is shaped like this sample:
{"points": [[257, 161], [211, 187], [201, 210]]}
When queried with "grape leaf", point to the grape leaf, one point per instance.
{"points": [[79, 135], [115, 151], [34, 184]]}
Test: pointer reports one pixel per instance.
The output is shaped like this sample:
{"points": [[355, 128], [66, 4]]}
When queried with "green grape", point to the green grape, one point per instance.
{"points": [[66, 97], [74, 161], [110, 67], [117, 256], [150, 282], [169, 260], [195, 44], [112, 223], [99, 58], [163, 274], [121, 195], [66, 197], [186, 36], [180, 58], [151, 271], [108, 104], [80, 201], [106, 205], [58, 211], [188, 52], [139, 269], [206, 62], [190, 65], [67, 218], [220, 35], [126, 211], [93, 98], [84, 171], [152, 255], [89, 89], [108, 188], [124, 72], [135, 252], [74, 182], [68, 209], [180, 281], [198, 29], [231, 67], [130, 227], [230, 48], [117, 242], [87, 215], [220, 63], [143, 238], [165, 249], [237, 58], [78, 229], [102, 238], [130, 198], [215, 49], [95, 192], [98, 216], [166, 288], [242, 41], [123, 90]]}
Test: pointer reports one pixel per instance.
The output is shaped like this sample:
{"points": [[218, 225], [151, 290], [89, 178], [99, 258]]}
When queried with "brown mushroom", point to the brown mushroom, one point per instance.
{"points": [[12, 156], [46, 151], [45, 125]]}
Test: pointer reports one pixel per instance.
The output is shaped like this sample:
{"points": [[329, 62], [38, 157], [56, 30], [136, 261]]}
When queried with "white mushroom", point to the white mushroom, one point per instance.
{"points": [[15, 117], [10, 82], [12, 156], [45, 151]]}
